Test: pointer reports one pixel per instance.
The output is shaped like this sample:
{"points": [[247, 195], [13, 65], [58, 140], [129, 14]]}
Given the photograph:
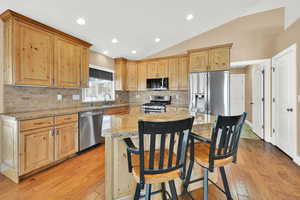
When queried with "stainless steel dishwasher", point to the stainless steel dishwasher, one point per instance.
{"points": [[90, 128]]}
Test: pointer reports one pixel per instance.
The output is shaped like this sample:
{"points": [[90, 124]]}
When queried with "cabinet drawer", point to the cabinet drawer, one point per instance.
{"points": [[66, 119], [116, 111], [36, 123]]}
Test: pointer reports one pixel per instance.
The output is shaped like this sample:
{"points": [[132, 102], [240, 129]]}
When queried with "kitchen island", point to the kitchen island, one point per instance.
{"points": [[119, 183]]}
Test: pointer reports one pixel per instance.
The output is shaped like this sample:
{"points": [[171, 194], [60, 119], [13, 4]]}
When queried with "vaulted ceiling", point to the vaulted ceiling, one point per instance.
{"points": [[136, 23]]}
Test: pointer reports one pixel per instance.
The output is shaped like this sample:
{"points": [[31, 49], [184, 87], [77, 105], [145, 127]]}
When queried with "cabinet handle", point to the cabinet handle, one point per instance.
{"points": [[68, 118]]}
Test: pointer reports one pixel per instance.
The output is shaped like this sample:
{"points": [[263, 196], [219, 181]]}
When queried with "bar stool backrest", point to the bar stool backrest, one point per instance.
{"points": [[170, 155], [225, 138]]}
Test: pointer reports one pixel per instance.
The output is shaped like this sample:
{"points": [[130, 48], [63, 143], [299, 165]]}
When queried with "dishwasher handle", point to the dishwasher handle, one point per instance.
{"points": [[88, 114]]}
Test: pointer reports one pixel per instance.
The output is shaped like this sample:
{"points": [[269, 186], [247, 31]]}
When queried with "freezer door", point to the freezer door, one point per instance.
{"points": [[198, 92], [218, 93]]}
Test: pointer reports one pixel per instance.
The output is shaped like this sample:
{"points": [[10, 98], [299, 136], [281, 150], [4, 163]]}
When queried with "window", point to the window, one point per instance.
{"points": [[101, 86]]}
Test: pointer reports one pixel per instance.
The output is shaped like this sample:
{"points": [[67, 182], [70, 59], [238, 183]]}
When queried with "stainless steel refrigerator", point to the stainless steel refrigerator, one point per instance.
{"points": [[209, 92]]}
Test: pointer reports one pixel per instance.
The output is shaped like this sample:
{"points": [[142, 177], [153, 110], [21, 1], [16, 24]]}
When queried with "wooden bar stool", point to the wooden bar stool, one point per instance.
{"points": [[218, 151], [163, 162]]}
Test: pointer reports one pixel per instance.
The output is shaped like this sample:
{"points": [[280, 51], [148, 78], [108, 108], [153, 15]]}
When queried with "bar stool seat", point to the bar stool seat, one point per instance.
{"points": [[154, 178], [202, 151]]}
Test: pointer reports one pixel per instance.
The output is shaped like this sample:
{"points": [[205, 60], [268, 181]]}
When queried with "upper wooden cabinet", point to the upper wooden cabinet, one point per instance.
{"points": [[67, 61], [132, 76], [152, 69], [219, 59], [142, 76], [84, 70], [38, 55], [173, 74], [210, 59], [199, 61], [183, 73], [163, 68], [120, 74]]}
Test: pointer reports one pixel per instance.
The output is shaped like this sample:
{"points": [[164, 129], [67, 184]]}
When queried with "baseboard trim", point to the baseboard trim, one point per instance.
{"points": [[296, 160], [249, 123]]}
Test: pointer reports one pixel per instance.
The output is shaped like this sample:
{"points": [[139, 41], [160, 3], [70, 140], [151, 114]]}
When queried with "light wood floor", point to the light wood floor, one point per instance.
{"points": [[262, 173]]}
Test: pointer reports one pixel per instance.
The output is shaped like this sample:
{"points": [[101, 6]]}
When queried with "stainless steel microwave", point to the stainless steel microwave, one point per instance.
{"points": [[158, 83]]}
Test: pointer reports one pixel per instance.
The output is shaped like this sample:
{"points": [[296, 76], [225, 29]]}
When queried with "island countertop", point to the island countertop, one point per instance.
{"points": [[127, 124]]}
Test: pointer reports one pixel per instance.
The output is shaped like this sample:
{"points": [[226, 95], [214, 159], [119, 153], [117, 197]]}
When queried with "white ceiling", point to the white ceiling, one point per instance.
{"points": [[136, 23]]}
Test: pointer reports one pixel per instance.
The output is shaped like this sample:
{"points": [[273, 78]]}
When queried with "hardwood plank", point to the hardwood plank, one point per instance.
{"points": [[262, 173]]}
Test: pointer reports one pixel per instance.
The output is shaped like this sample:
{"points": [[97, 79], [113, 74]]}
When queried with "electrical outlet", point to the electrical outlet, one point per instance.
{"points": [[59, 97], [76, 97], [177, 96]]}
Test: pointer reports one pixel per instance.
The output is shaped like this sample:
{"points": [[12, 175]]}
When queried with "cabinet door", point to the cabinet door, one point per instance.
{"points": [[183, 73], [66, 140], [34, 57], [142, 76], [37, 149], [67, 63], [84, 70], [132, 73], [152, 69], [173, 74], [199, 61], [219, 59], [163, 69], [120, 76]]}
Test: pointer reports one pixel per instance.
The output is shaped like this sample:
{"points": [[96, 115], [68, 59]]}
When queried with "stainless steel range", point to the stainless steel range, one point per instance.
{"points": [[157, 104]]}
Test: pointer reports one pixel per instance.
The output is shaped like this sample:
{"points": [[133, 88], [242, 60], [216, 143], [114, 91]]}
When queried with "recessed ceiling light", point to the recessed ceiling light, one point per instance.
{"points": [[133, 51], [114, 40], [105, 52], [80, 21], [189, 17], [157, 40]]}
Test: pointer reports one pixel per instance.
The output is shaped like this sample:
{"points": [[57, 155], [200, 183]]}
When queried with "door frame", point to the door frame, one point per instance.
{"points": [[293, 49], [261, 68], [266, 63]]}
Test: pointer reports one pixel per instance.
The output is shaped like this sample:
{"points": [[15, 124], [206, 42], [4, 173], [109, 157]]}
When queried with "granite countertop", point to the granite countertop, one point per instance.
{"points": [[127, 124], [55, 112]]}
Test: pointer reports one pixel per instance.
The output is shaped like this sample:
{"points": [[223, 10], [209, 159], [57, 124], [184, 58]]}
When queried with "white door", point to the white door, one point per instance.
{"points": [[237, 94], [257, 101], [284, 100]]}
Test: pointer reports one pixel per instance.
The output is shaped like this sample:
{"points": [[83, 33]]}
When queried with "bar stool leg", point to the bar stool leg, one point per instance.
{"points": [[225, 183], [163, 191], [137, 193], [148, 192], [173, 190], [205, 184]]}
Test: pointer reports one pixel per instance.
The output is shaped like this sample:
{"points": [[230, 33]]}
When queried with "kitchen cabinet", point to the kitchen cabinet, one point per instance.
{"points": [[132, 76], [163, 68], [152, 68], [67, 61], [66, 140], [120, 74], [142, 76], [199, 61], [84, 69], [117, 110], [38, 55], [173, 74], [183, 72], [210, 59], [34, 144], [37, 149], [219, 59], [33, 59]]}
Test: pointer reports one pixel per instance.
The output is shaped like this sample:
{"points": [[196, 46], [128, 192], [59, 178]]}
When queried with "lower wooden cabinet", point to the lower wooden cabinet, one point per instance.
{"points": [[66, 140], [37, 149]]}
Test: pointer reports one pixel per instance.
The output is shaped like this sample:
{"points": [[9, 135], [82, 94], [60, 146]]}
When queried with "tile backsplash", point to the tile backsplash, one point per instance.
{"points": [[23, 98], [140, 97]]}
